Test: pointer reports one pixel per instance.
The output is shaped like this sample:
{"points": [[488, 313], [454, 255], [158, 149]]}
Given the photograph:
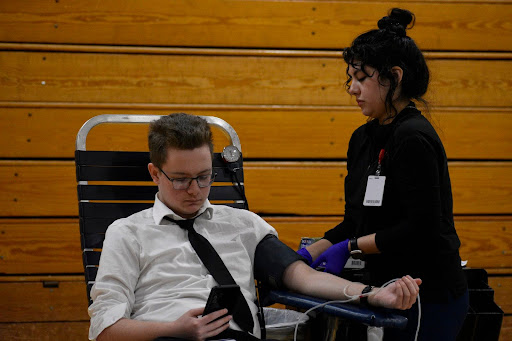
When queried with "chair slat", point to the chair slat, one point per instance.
{"points": [[92, 241], [109, 192], [110, 158], [95, 225], [130, 159], [90, 273], [140, 173], [112, 173], [89, 287], [110, 210], [91, 258]]}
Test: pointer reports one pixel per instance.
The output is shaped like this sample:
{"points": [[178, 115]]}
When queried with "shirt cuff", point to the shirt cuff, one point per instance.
{"points": [[101, 320]]}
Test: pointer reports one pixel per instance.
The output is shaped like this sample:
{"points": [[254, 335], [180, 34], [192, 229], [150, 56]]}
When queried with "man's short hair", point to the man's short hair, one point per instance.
{"points": [[179, 131]]}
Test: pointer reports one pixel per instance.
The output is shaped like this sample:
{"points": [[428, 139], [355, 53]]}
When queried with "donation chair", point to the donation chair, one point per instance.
{"points": [[116, 184]]}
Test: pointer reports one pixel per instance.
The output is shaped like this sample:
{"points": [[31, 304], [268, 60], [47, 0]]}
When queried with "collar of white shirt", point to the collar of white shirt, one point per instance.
{"points": [[160, 210]]}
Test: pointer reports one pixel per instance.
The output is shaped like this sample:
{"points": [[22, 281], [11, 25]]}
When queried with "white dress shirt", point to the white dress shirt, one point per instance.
{"points": [[149, 271]]}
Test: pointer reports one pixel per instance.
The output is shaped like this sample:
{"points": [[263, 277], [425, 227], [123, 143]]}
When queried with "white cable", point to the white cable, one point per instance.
{"points": [[419, 319], [316, 307], [353, 298]]}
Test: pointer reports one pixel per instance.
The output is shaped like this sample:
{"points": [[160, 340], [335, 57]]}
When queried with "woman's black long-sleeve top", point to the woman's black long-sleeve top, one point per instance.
{"points": [[414, 226]]}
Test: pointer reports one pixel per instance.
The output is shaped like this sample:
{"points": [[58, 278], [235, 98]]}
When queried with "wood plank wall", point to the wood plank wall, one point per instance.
{"points": [[273, 70]]}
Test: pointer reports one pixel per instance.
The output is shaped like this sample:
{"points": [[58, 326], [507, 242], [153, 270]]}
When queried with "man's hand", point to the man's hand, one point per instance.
{"points": [[401, 294], [335, 258], [194, 327]]}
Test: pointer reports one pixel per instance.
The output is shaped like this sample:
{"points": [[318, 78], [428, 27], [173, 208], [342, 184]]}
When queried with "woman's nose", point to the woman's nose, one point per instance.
{"points": [[352, 89]]}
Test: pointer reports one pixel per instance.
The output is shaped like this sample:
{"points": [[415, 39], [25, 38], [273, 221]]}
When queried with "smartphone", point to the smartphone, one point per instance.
{"points": [[222, 296]]}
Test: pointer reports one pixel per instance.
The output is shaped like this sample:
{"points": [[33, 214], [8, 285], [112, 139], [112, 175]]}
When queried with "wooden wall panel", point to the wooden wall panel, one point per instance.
{"points": [[40, 188], [494, 251], [44, 331], [30, 246], [32, 302], [273, 70], [480, 188], [35, 188], [468, 25], [502, 292], [210, 79], [475, 134], [299, 132], [88, 77], [506, 328]]}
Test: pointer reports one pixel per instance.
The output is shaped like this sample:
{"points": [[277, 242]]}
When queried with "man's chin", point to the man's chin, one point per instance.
{"points": [[191, 210]]}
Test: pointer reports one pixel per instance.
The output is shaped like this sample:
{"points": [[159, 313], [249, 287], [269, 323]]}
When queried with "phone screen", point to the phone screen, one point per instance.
{"points": [[222, 296]]}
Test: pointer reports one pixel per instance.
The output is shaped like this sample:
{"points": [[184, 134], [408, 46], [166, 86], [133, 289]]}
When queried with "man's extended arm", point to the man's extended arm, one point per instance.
{"points": [[299, 277]]}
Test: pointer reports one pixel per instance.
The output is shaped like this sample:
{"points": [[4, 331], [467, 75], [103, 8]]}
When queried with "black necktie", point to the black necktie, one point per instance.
{"points": [[212, 261]]}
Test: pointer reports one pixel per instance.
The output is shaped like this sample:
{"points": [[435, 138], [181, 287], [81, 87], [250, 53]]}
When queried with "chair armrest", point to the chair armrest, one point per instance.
{"points": [[377, 317]]}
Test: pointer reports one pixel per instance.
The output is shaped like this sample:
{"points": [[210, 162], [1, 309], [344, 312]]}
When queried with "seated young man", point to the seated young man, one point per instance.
{"points": [[151, 283]]}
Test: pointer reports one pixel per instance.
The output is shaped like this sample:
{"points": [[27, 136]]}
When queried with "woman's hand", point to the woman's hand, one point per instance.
{"points": [[334, 257], [401, 294], [194, 327]]}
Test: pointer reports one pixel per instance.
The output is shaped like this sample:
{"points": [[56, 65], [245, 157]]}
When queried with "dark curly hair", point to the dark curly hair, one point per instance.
{"points": [[389, 46]]}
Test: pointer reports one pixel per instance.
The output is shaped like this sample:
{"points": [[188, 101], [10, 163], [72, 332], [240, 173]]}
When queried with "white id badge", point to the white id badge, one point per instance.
{"points": [[374, 190]]}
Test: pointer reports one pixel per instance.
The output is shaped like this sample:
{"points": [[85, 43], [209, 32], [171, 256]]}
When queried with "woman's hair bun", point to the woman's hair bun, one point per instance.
{"points": [[397, 21]]}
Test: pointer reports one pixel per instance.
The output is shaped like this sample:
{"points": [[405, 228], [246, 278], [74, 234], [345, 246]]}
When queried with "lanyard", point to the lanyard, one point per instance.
{"points": [[379, 166]]}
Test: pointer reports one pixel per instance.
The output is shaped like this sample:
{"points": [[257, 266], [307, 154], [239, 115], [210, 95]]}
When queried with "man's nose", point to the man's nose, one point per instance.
{"points": [[194, 186]]}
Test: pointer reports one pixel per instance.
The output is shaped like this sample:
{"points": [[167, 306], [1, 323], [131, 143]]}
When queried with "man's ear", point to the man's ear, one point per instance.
{"points": [[154, 172], [397, 73]]}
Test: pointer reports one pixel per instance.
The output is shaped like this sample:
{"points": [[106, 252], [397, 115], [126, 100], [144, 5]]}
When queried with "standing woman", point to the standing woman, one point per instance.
{"points": [[398, 212]]}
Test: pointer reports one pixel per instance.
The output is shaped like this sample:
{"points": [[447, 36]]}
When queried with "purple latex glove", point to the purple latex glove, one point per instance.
{"points": [[305, 253], [335, 258]]}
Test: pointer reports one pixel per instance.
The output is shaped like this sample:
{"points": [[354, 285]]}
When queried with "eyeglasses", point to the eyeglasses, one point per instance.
{"points": [[184, 183]]}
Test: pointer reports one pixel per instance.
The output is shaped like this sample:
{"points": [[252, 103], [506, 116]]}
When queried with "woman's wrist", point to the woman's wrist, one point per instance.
{"points": [[317, 248], [306, 255]]}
